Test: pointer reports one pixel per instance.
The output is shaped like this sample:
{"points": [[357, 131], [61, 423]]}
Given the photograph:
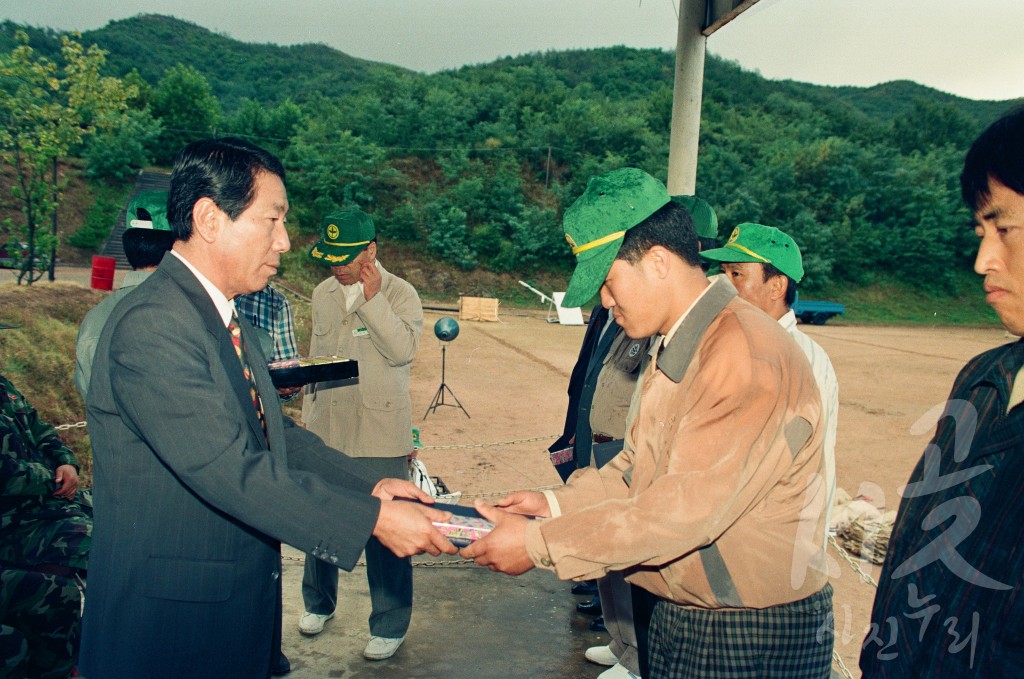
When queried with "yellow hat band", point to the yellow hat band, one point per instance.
{"points": [[345, 245], [597, 243], [748, 251]]}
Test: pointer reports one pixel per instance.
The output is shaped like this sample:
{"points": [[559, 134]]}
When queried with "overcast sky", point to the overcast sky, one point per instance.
{"points": [[973, 48]]}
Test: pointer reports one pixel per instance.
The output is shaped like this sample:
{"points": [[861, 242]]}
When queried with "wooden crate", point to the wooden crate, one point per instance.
{"points": [[478, 309]]}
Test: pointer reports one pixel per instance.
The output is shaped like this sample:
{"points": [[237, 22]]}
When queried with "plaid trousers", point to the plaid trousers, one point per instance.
{"points": [[791, 641]]}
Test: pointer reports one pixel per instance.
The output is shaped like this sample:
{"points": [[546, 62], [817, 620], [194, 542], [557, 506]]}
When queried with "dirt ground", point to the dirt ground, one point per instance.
{"points": [[511, 378]]}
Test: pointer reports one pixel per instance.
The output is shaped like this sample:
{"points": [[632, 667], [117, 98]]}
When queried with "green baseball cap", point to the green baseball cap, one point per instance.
{"points": [[705, 221], [595, 224], [763, 244], [148, 210], [346, 233]]}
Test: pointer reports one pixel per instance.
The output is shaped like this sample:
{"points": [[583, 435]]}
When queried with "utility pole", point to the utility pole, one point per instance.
{"points": [[697, 20], [687, 94]]}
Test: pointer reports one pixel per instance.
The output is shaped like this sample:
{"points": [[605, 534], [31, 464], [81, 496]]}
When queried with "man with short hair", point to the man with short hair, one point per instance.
{"points": [[611, 394], [949, 601], [368, 314], [764, 264], [705, 506], [198, 476], [147, 237]]}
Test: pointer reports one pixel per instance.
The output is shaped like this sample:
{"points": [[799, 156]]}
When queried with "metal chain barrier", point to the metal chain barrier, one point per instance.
{"points": [[503, 493], [464, 446], [853, 564], [837, 660], [489, 445], [449, 563]]}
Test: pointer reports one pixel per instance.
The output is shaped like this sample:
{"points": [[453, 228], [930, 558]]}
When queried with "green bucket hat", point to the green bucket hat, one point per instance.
{"points": [[595, 224], [764, 244], [148, 210], [705, 221], [346, 233]]}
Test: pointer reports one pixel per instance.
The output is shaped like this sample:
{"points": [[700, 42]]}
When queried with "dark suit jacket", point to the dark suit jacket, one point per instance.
{"points": [[191, 504], [582, 383]]}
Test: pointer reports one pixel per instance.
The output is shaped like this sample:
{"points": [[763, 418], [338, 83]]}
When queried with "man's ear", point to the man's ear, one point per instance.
{"points": [[777, 287], [659, 259], [206, 217], [371, 251]]}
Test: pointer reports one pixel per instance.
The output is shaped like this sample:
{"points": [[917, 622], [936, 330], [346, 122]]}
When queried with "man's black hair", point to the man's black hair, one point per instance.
{"points": [[223, 170], [706, 243], [771, 270], [670, 227], [145, 248], [997, 154]]}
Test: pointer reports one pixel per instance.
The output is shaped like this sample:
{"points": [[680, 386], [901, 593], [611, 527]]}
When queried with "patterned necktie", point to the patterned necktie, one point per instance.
{"points": [[236, 340]]}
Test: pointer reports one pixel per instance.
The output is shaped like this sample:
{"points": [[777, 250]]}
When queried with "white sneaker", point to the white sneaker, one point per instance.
{"points": [[381, 648], [618, 672], [601, 655], [312, 624]]}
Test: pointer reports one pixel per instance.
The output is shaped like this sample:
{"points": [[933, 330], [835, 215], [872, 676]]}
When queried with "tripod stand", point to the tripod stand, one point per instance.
{"points": [[438, 399]]}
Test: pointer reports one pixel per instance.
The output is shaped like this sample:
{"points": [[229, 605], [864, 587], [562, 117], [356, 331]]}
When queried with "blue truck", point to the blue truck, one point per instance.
{"points": [[816, 312]]}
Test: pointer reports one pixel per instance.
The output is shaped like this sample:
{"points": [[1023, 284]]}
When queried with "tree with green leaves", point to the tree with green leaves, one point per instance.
{"points": [[187, 109], [329, 167], [47, 109]]}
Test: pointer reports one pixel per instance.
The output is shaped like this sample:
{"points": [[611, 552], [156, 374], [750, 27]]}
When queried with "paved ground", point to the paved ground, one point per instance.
{"points": [[467, 622]]}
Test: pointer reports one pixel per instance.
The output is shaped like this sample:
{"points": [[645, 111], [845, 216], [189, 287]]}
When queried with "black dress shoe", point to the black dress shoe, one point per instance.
{"points": [[597, 624], [587, 587], [592, 607], [280, 666]]}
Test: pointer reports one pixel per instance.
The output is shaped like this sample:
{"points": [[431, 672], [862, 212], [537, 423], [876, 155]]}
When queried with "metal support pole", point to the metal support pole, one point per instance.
{"points": [[687, 94]]}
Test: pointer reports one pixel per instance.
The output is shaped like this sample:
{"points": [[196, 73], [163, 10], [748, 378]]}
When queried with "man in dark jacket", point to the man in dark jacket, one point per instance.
{"points": [[949, 598], [198, 476]]}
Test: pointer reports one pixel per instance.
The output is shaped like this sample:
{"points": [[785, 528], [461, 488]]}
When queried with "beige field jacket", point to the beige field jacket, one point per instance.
{"points": [[373, 418], [717, 500]]}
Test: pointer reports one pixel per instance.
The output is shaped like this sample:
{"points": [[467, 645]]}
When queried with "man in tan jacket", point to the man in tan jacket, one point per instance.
{"points": [[364, 313], [711, 508]]}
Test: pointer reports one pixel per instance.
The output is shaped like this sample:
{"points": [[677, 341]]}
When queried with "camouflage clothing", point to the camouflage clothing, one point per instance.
{"points": [[41, 624], [38, 528], [40, 610], [13, 653]]}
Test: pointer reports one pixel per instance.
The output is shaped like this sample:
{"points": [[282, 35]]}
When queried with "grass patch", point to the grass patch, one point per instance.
{"points": [[891, 302], [38, 354]]}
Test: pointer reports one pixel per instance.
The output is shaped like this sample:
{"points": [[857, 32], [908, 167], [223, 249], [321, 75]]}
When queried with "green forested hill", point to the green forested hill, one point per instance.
{"points": [[475, 165], [888, 100], [268, 73], [152, 43]]}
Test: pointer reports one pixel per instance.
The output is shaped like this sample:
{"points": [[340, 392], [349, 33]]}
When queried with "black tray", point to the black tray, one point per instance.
{"points": [[299, 375]]}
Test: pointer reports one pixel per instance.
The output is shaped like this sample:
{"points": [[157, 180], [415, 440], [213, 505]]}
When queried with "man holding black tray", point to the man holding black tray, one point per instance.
{"points": [[367, 314], [198, 476], [714, 508]]}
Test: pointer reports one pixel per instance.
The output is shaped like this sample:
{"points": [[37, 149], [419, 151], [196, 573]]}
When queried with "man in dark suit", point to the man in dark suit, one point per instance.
{"points": [[198, 477]]}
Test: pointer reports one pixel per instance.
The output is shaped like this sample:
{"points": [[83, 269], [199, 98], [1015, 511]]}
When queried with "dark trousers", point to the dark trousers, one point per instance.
{"points": [[643, 606], [389, 577]]}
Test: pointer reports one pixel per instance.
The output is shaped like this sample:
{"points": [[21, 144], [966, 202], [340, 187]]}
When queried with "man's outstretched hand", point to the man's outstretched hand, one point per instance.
{"points": [[504, 549], [406, 528]]}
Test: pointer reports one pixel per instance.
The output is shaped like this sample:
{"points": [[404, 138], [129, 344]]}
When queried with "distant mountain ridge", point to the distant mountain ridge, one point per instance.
{"points": [[152, 43]]}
